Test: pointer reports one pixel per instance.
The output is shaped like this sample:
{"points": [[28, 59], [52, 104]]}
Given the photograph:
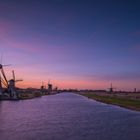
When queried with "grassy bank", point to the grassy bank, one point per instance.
{"points": [[123, 102]]}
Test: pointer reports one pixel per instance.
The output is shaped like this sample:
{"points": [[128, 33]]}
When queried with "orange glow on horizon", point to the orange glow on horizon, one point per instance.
{"points": [[33, 78], [78, 84], [67, 84]]}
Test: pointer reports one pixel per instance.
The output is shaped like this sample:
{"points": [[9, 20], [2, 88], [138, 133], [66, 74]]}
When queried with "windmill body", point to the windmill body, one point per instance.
{"points": [[12, 87]]}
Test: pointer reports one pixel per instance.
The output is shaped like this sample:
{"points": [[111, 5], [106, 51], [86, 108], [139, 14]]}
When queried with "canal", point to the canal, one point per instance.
{"points": [[66, 116]]}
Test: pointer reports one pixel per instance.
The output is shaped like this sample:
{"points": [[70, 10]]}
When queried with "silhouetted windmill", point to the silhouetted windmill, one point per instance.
{"points": [[14, 77], [111, 89], [42, 87], [49, 87], [12, 86]]}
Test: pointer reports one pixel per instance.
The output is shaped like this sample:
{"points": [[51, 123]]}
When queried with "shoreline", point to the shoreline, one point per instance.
{"points": [[114, 100]]}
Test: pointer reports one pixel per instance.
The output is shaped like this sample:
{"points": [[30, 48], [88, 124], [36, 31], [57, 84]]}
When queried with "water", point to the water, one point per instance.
{"points": [[66, 116]]}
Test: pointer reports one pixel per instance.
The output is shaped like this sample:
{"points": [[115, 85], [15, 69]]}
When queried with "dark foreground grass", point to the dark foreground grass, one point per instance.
{"points": [[127, 103]]}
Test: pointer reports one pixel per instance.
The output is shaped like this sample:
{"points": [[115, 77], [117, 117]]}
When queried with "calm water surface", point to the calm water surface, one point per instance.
{"points": [[66, 116]]}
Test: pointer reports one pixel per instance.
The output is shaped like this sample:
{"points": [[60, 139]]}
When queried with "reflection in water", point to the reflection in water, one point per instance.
{"points": [[66, 116]]}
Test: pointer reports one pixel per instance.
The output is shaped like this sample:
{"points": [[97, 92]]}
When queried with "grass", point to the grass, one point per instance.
{"points": [[123, 102]]}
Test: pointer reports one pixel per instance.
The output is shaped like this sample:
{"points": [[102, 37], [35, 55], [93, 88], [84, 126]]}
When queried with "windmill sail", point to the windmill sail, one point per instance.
{"points": [[4, 76]]}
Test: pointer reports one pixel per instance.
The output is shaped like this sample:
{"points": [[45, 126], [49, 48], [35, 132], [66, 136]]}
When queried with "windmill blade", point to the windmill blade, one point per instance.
{"points": [[19, 80], [14, 78], [6, 65], [3, 82], [2, 71], [1, 66], [1, 61]]}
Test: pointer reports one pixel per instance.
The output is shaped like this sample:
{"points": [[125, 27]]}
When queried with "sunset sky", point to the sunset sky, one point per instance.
{"points": [[84, 44]]}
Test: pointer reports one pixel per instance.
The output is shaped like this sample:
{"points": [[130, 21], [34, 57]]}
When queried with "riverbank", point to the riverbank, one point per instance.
{"points": [[121, 100], [24, 94]]}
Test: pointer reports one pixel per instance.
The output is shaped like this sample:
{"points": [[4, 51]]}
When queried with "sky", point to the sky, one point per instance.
{"points": [[83, 44]]}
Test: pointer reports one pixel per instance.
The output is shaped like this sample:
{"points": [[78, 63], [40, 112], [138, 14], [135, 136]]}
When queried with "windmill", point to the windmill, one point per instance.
{"points": [[12, 86], [56, 88], [42, 87], [14, 77], [49, 87], [111, 89]]}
